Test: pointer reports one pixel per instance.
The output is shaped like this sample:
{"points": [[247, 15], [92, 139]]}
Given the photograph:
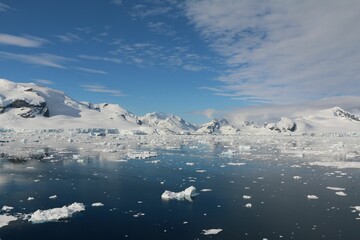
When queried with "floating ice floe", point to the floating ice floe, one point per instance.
{"points": [[6, 219], [53, 197], [312, 197], [30, 198], [56, 214], [296, 177], [336, 188], [341, 194], [236, 164], [205, 190], [187, 194], [142, 155], [246, 197], [337, 164], [248, 205], [228, 153], [7, 208], [211, 231], [190, 164], [98, 204], [244, 148]]}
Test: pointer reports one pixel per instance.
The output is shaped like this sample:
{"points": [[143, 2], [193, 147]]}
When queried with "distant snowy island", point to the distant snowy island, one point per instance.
{"points": [[27, 106]]}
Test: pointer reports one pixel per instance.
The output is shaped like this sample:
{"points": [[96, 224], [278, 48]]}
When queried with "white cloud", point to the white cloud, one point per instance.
{"points": [[116, 2], [43, 59], [103, 89], [99, 58], [209, 113], [26, 41], [69, 37], [4, 7], [44, 81], [282, 51], [272, 113], [91, 70]]}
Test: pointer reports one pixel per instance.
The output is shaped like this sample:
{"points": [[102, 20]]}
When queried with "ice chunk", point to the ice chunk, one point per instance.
{"points": [[187, 194], [205, 190], [211, 231], [296, 177], [142, 155], [336, 188], [236, 164], [98, 204], [248, 205], [53, 197], [56, 214], [244, 148], [246, 197], [312, 197], [5, 220], [341, 194], [7, 208], [30, 198]]}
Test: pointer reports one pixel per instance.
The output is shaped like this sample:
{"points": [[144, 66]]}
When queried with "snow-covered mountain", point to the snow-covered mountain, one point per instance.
{"points": [[29, 106], [218, 127], [168, 123]]}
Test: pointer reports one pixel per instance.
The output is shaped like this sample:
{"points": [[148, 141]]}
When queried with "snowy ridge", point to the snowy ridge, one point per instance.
{"points": [[29, 107]]}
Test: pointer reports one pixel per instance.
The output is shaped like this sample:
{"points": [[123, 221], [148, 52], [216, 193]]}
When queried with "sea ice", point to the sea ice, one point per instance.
{"points": [[187, 194], [248, 205], [6, 219], [236, 164], [56, 214], [211, 231], [341, 194], [246, 197], [7, 208], [53, 197], [98, 204], [142, 155], [312, 197], [336, 188], [296, 177]]}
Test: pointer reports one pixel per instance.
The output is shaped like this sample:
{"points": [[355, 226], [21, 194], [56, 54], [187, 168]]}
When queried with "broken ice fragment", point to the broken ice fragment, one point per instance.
{"points": [[187, 194], [211, 231]]}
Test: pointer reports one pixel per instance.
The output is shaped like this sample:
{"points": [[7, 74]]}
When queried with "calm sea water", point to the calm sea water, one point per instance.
{"points": [[133, 208]]}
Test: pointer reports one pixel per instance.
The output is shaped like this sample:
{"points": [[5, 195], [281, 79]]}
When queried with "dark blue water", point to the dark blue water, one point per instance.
{"points": [[280, 208]]}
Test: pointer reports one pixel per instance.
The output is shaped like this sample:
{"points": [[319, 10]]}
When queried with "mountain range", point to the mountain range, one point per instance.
{"points": [[30, 106]]}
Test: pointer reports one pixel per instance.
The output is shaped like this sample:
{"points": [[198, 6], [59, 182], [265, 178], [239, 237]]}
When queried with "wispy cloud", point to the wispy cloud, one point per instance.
{"points": [[272, 113], [91, 70], [44, 81], [143, 11], [99, 58], [209, 113], [25, 41], [161, 28], [4, 7], [116, 2], [69, 37], [282, 52], [103, 89], [144, 54], [43, 59]]}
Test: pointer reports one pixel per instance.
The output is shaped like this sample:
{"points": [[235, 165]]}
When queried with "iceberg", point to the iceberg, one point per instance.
{"points": [[56, 214], [187, 194]]}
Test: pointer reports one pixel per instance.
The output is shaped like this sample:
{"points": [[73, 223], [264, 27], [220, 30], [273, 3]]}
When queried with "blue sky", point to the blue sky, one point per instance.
{"points": [[197, 59]]}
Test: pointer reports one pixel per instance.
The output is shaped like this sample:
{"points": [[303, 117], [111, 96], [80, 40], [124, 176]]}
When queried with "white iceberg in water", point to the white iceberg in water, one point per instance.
{"points": [[211, 231], [56, 214], [312, 197], [98, 204], [187, 194], [5, 219]]}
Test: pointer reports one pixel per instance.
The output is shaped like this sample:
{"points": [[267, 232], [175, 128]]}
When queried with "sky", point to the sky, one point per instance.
{"points": [[199, 59]]}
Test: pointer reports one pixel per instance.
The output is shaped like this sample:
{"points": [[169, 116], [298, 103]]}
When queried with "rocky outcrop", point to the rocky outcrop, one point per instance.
{"points": [[344, 114], [28, 110], [217, 126]]}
